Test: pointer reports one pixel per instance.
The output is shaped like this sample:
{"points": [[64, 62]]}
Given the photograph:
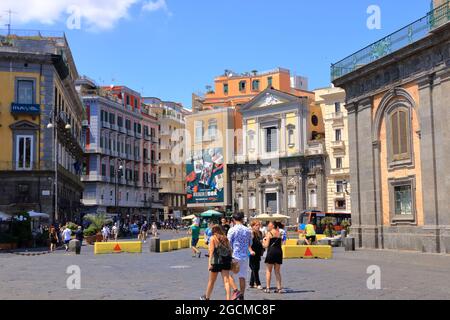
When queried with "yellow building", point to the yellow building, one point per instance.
{"points": [[38, 102], [332, 101], [210, 140]]}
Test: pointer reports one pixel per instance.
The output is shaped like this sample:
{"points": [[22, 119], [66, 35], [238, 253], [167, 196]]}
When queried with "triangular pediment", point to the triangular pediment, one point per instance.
{"points": [[24, 125], [270, 98]]}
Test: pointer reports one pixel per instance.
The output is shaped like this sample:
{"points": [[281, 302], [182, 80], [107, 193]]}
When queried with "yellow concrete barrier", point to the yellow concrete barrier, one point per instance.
{"points": [[318, 236], [291, 242], [164, 246], [173, 245], [117, 247], [201, 244], [183, 243], [307, 252]]}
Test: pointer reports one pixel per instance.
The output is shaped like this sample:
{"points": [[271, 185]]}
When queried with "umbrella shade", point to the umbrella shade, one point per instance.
{"points": [[34, 214], [191, 217], [4, 216], [273, 217], [211, 214]]}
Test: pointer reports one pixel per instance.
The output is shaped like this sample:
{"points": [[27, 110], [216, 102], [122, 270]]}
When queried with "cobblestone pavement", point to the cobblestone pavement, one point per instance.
{"points": [[177, 276]]}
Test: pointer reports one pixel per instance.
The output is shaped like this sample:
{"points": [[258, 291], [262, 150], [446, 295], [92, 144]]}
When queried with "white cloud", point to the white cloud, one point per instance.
{"points": [[94, 14]]}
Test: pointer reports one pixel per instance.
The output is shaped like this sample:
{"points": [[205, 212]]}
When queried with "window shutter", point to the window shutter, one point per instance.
{"points": [[403, 132], [395, 134]]}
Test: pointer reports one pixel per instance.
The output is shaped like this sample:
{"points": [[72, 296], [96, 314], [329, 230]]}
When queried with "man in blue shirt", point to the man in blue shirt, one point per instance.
{"points": [[241, 243]]}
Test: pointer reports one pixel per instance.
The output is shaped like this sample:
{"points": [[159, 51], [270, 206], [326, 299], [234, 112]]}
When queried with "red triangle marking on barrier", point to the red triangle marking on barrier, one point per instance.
{"points": [[308, 253], [117, 248]]}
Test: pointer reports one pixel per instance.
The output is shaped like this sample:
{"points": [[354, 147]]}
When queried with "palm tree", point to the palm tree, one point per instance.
{"points": [[97, 220]]}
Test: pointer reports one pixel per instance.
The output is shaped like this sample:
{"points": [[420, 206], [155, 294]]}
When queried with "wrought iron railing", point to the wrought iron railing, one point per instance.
{"points": [[413, 32]]}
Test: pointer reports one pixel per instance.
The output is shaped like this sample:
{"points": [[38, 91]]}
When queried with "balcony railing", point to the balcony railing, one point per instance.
{"points": [[338, 145], [411, 33]]}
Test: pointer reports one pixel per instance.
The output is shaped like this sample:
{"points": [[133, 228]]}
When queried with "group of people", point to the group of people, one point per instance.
{"points": [[63, 236], [233, 249]]}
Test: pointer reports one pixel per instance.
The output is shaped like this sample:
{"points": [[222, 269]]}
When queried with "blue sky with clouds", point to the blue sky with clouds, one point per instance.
{"points": [[172, 48]]}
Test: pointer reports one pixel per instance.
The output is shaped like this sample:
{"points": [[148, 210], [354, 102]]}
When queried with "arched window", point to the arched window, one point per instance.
{"points": [[400, 133]]}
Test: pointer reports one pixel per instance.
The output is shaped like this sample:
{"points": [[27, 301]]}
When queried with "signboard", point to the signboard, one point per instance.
{"points": [[17, 108], [205, 177]]}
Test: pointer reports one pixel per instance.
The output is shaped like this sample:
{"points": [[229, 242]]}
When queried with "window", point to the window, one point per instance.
{"points": [[198, 131], [315, 120], [212, 129], [292, 200], [313, 199], [120, 122], [112, 118], [240, 202], [271, 139], [242, 86], [225, 88], [251, 140], [399, 135], [403, 200], [339, 187], [128, 100], [252, 201], [338, 163], [291, 135], [272, 202], [338, 135], [255, 85], [269, 82], [337, 107], [103, 170], [340, 204], [24, 152], [25, 91]]}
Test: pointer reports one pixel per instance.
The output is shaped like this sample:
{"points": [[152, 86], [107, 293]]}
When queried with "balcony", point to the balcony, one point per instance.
{"points": [[413, 32], [165, 133], [123, 130], [115, 127], [166, 176], [314, 148], [165, 146], [165, 161], [340, 171], [94, 178], [130, 133], [147, 161], [106, 125], [338, 146], [147, 137], [137, 158], [138, 135], [155, 140], [337, 119]]}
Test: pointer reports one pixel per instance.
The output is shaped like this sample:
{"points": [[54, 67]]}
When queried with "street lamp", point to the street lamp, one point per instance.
{"points": [[55, 117]]}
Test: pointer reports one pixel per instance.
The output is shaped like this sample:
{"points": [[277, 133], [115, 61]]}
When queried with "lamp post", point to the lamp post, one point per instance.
{"points": [[54, 118], [118, 175]]}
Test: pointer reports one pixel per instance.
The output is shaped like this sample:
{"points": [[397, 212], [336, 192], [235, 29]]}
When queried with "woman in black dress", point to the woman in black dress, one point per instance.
{"points": [[255, 260], [274, 258]]}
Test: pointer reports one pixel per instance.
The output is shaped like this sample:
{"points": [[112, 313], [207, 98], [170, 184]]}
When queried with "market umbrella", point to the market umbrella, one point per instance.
{"points": [[271, 217], [211, 214], [4, 216], [191, 217], [34, 214]]}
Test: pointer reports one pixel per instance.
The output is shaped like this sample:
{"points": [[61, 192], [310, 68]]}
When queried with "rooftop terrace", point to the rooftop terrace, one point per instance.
{"points": [[413, 32]]}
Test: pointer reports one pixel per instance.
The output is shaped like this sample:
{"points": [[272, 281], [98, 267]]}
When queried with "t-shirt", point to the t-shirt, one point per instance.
{"points": [[67, 234], [195, 231], [310, 231], [240, 239], [225, 228]]}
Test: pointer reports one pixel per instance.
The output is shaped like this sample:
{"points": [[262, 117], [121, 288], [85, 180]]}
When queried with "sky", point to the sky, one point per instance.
{"points": [[172, 48]]}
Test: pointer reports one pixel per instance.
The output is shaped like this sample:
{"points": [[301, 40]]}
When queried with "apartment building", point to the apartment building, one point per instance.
{"points": [[41, 132], [171, 156], [332, 102]]}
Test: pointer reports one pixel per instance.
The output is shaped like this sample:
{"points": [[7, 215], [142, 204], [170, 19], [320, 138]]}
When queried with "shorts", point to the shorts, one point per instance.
{"points": [[216, 268], [194, 242], [243, 268], [66, 241], [313, 238]]}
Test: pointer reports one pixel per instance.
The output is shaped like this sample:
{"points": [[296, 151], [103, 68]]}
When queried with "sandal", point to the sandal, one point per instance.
{"points": [[280, 291], [267, 290]]}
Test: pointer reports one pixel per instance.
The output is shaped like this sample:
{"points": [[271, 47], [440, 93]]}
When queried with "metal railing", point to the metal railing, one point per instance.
{"points": [[413, 32]]}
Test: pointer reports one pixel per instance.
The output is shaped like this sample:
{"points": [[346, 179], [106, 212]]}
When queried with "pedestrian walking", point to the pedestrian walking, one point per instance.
{"points": [[154, 230], [115, 231], [274, 258], [54, 239], [255, 260], [225, 225], [143, 232], [208, 235], [195, 236], [240, 238], [66, 236], [105, 233], [220, 258], [79, 235]]}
